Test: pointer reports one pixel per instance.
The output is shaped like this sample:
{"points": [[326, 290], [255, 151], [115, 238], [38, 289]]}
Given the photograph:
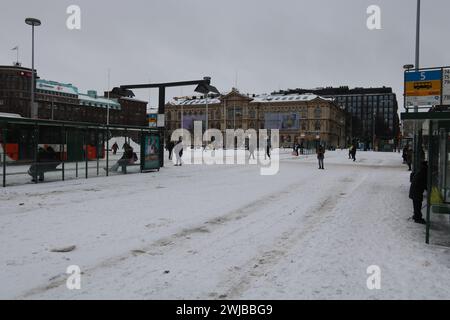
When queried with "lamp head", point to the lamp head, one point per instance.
{"points": [[33, 22]]}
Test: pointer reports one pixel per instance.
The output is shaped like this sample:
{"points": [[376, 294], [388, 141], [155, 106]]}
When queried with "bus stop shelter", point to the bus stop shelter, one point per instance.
{"points": [[435, 126], [59, 150]]}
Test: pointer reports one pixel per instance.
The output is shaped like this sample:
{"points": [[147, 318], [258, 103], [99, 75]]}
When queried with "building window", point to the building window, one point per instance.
{"points": [[318, 113], [317, 126], [303, 124]]}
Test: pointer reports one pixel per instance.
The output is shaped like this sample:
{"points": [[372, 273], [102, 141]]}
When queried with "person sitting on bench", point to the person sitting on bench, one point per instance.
{"points": [[47, 161], [128, 157]]}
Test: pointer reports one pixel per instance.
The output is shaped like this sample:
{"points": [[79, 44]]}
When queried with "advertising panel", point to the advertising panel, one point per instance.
{"points": [[282, 121], [151, 150]]}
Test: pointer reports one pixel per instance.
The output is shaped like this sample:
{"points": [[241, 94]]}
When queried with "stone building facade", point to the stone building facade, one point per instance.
{"points": [[302, 118]]}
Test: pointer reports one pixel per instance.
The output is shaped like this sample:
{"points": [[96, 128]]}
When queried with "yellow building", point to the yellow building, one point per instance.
{"points": [[302, 118]]}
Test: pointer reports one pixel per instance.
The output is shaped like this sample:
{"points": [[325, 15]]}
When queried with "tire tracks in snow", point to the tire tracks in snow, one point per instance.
{"points": [[167, 242], [242, 277]]}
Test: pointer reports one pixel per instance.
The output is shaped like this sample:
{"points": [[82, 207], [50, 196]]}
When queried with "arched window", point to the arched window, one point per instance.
{"points": [[318, 113], [317, 126]]}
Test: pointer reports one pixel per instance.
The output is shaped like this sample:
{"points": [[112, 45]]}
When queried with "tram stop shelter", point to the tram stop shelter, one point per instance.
{"points": [[435, 126], [35, 150]]}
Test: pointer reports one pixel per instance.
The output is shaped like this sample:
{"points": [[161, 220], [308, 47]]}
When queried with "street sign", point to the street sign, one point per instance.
{"points": [[446, 86], [152, 120], [160, 121], [422, 101], [423, 83], [423, 87]]}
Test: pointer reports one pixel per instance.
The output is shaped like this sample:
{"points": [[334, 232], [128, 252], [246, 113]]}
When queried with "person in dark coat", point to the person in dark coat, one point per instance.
{"points": [[170, 146], [409, 158], [404, 153], [115, 147], [418, 186], [320, 156], [128, 157], [353, 152], [47, 160], [295, 148]]}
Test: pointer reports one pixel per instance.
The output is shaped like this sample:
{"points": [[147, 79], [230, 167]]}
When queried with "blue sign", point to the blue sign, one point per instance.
{"points": [[415, 76]]}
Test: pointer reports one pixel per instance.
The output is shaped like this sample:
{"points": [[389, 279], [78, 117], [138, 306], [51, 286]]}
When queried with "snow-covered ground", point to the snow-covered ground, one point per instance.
{"points": [[225, 232]]}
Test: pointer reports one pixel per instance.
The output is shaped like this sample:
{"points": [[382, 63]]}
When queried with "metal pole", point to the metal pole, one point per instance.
{"points": [[36, 152], [161, 112], [417, 131], [107, 105], [86, 152], [429, 178], [4, 157], [107, 151], [373, 134], [61, 151], [97, 150], [32, 110], [418, 35], [207, 114]]}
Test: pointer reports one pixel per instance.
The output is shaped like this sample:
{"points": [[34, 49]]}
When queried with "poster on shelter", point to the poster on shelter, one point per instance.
{"points": [[151, 152]]}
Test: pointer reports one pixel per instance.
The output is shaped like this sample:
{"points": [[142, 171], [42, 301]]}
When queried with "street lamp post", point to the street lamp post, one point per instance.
{"points": [[203, 86], [32, 22], [417, 131]]}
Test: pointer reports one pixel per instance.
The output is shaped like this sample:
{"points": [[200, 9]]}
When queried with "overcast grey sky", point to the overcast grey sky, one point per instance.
{"points": [[270, 45]]}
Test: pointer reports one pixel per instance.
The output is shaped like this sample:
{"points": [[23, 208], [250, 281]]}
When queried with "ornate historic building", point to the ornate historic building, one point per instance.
{"points": [[303, 118]]}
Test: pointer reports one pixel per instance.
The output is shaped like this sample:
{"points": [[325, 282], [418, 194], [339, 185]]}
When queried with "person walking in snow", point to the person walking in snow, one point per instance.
{"points": [[114, 147], [251, 149], [320, 156], [170, 146], [268, 147], [353, 152], [178, 150], [416, 190]]}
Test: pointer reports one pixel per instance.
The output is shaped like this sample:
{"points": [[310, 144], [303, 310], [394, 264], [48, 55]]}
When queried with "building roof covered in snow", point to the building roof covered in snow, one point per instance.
{"points": [[262, 98], [54, 87]]}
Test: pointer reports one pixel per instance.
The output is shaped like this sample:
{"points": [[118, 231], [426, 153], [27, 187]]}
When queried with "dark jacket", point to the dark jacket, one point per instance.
{"points": [[128, 153], [409, 156], [320, 152], [419, 183]]}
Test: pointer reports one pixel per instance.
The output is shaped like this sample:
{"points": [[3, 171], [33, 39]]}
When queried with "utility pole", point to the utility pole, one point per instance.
{"points": [[417, 130], [107, 105], [33, 108]]}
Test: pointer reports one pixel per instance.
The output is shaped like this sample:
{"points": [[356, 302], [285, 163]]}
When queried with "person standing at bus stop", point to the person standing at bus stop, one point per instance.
{"points": [[416, 190]]}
